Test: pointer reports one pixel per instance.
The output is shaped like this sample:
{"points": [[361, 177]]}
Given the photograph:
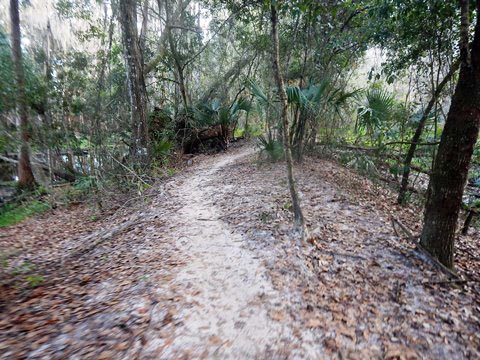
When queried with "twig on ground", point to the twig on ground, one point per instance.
{"points": [[102, 237], [405, 229], [448, 281], [437, 263], [422, 251], [130, 171]]}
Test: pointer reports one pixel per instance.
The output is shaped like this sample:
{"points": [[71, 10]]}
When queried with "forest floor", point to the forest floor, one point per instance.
{"points": [[207, 266]]}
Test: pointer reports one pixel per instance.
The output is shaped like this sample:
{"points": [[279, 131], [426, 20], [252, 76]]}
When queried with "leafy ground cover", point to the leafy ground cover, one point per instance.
{"points": [[206, 265]]}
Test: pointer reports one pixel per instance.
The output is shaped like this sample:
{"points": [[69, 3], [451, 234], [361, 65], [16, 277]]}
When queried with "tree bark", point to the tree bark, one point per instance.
{"points": [[418, 132], [176, 56], [136, 82], [26, 179], [458, 139], [143, 32], [468, 221], [297, 210]]}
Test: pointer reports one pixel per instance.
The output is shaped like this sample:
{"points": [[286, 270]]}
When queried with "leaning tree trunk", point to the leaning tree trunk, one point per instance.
{"points": [[136, 82], [418, 133], [297, 211], [25, 175], [458, 139]]}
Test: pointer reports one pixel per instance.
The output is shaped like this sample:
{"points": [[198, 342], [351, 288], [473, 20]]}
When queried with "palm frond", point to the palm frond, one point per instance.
{"points": [[315, 93], [377, 109], [296, 96], [257, 92], [271, 147], [239, 105]]}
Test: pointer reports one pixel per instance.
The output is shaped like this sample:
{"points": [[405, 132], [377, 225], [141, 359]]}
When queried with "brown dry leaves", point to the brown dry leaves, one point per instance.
{"points": [[360, 293], [96, 304], [363, 292]]}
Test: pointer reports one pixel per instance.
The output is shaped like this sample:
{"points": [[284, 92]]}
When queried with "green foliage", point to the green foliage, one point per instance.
{"points": [[6, 75], [265, 217], [410, 29], [288, 206], [363, 164], [254, 129], [25, 271], [377, 110], [381, 116], [74, 9], [270, 147], [12, 214], [163, 147], [24, 267], [85, 183], [4, 143], [34, 84], [296, 96], [258, 93], [82, 187], [34, 280], [215, 112], [239, 132]]}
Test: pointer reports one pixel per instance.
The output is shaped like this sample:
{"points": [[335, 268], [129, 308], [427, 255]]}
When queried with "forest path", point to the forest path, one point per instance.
{"points": [[226, 288], [205, 265]]}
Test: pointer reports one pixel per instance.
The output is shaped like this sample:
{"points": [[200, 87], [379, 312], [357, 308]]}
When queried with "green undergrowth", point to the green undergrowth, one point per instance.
{"points": [[12, 214]]}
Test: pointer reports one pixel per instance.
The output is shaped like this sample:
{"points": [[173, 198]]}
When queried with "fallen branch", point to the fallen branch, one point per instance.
{"points": [[341, 254], [448, 281], [102, 237], [384, 154], [391, 182], [405, 229], [471, 214], [437, 263], [420, 249], [468, 252], [66, 176], [410, 143], [130, 171]]}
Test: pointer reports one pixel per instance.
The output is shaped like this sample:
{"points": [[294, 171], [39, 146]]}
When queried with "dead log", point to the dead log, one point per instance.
{"points": [[61, 174], [213, 137], [384, 154], [101, 237]]}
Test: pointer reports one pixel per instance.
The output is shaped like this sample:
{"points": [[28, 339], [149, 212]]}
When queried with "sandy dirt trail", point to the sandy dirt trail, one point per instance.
{"points": [[226, 285]]}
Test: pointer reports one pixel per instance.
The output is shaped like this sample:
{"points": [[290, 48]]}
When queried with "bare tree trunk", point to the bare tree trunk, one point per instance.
{"points": [[143, 31], [297, 211], [458, 139], [176, 56], [418, 133], [48, 47], [25, 174], [136, 82]]}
